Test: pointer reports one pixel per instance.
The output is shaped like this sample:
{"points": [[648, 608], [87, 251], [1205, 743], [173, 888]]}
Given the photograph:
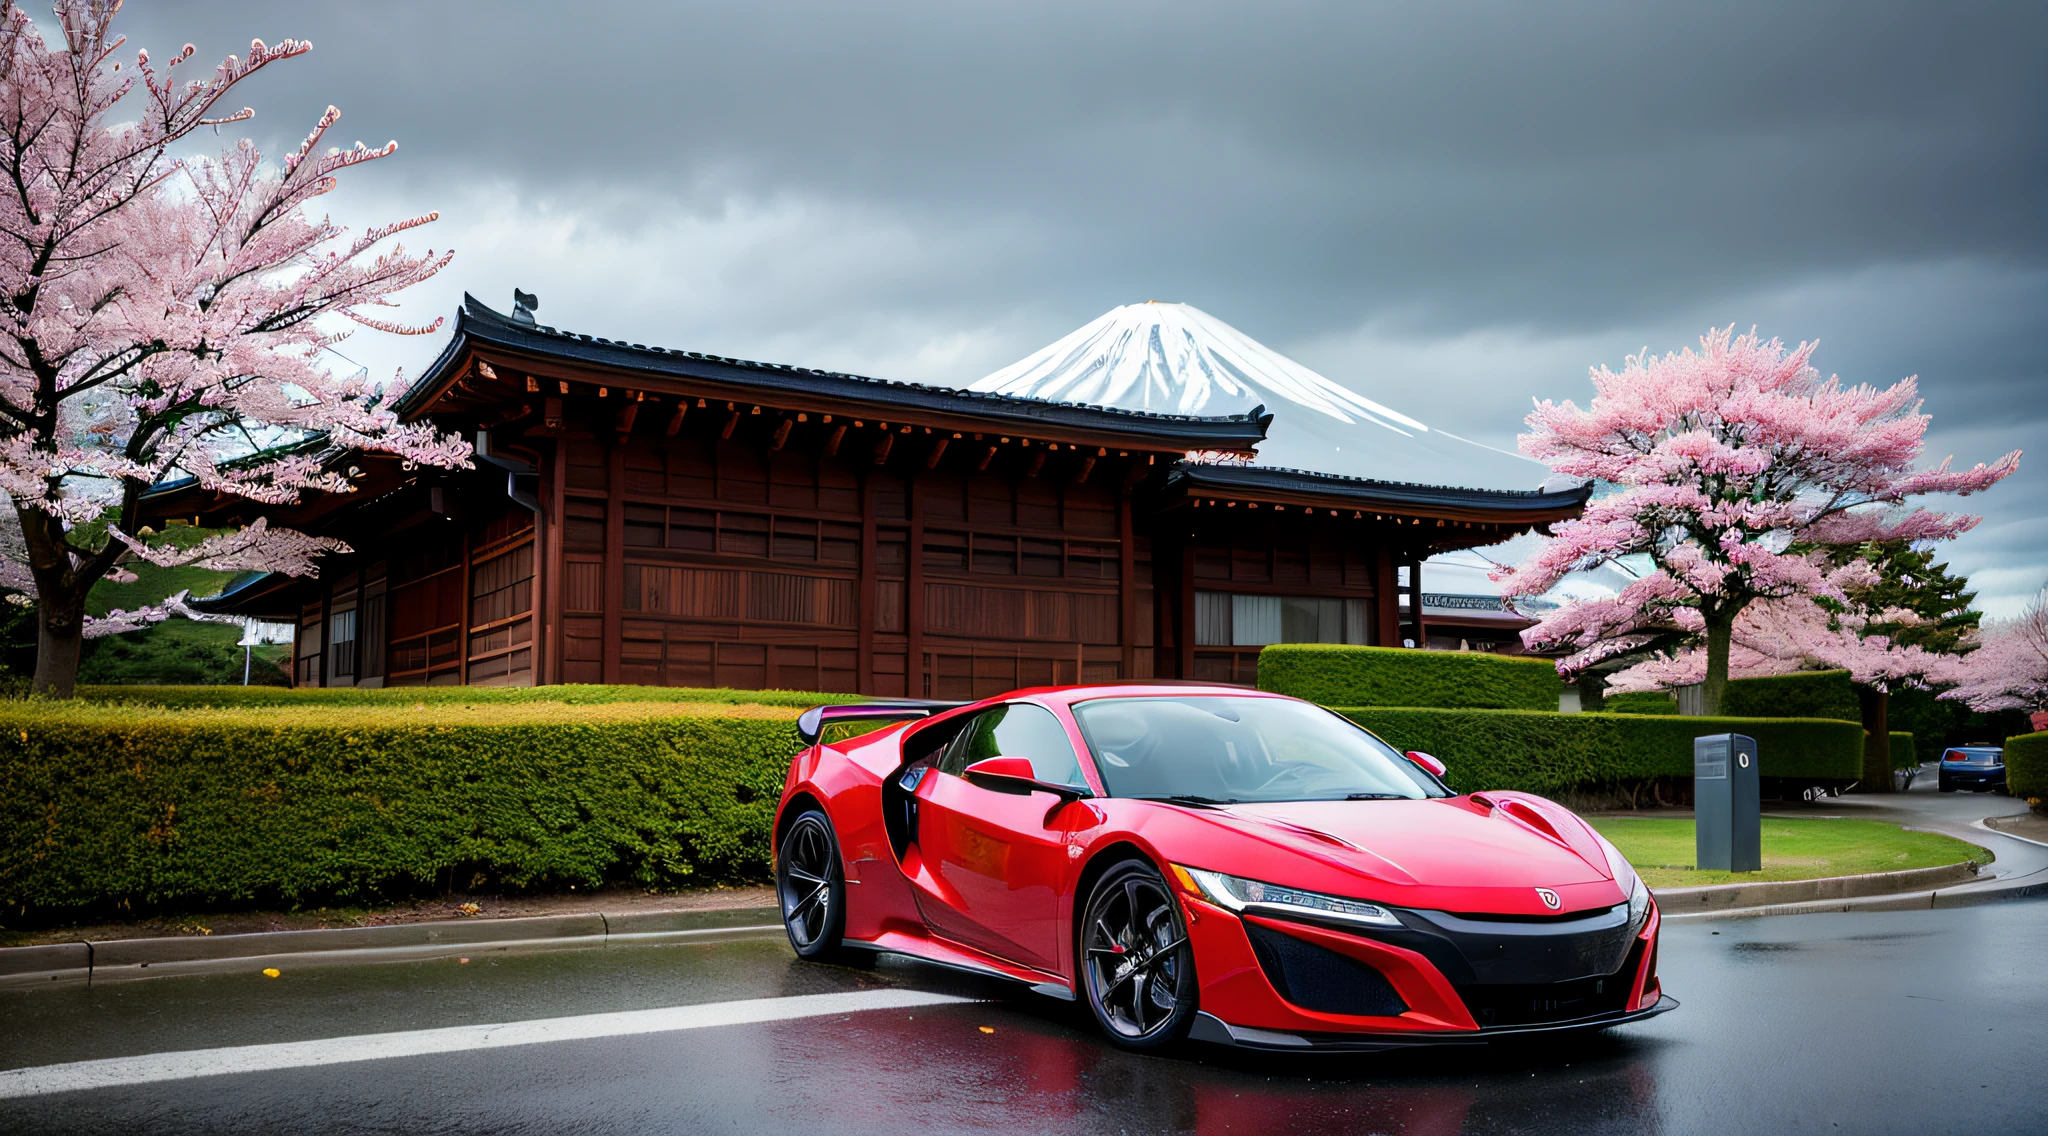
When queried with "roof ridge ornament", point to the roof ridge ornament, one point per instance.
{"points": [[524, 304]]}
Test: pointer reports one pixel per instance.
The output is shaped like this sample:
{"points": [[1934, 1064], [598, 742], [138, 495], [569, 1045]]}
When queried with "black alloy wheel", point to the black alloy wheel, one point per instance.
{"points": [[811, 886], [1136, 964]]}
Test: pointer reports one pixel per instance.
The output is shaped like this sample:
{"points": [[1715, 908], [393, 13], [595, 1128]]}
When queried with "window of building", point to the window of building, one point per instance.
{"points": [[341, 646], [1226, 620]]}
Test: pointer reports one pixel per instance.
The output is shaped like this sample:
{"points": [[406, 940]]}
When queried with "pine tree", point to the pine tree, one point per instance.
{"points": [[1909, 580]]}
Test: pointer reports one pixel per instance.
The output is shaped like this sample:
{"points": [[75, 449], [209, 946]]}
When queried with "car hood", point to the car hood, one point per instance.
{"points": [[1512, 842]]}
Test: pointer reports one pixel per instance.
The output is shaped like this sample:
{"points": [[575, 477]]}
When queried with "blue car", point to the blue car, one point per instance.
{"points": [[1974, 767]]}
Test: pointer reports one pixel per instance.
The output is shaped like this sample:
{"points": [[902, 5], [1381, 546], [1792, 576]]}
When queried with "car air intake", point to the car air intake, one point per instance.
{"points": [[1322, 980], [1496, 1004]]}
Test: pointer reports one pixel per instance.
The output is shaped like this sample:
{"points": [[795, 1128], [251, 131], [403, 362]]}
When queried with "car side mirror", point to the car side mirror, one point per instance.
{"points": [[1435, 767], [1014, 774]]}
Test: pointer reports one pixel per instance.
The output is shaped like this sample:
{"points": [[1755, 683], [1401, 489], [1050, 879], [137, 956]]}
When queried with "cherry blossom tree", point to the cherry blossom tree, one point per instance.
{"points": [[1784, 635], [164, 315], [2010, 670], [1734, 467]]}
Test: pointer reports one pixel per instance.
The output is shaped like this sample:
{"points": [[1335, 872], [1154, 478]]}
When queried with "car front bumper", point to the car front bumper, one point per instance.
{"points": [[1281, 984], [1208, 1027]]}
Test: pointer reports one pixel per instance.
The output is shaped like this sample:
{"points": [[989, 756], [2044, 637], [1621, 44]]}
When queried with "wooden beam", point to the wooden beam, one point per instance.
{"points": [[832, 441], [866, 597], [882, 452], [732, 420], [1037, 463], [913, 594], [675, 421], [931, 460], [462, 627], [624, 423], [782, 430], [1127, 586], [987, 456], [548, 647], [1386, 597], [614, 561], [1421, 633]]}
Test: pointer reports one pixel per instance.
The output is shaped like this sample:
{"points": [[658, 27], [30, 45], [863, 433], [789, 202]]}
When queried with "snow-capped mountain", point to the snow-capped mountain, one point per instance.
{"points": [[1178, 359]]}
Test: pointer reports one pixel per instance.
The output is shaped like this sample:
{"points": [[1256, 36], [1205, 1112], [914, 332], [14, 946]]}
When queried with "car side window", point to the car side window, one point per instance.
{"points": [[1019, 729]]}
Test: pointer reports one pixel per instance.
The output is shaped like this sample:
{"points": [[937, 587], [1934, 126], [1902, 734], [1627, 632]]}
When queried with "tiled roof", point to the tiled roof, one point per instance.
{"points": [[478, 323]]}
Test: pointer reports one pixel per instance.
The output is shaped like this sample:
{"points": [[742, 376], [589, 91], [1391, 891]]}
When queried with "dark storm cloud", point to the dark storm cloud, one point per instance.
{"points": [[1465, 203], [1571, 164]]}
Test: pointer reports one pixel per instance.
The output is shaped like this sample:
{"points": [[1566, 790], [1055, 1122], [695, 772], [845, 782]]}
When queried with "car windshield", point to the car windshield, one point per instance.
{"points": [[1976, 756], [1223, 749]]}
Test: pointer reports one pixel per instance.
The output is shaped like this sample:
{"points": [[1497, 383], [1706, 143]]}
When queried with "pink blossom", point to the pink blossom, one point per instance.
{"points": [[1734, 467], [2010, 671], [170, 309]]}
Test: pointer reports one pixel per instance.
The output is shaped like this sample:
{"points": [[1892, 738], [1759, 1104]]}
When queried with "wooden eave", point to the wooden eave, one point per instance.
{"points": [[455, 383], [1191, 482], [380, 474]]}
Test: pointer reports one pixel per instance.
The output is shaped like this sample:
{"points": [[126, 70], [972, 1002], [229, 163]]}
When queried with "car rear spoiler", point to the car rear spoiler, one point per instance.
{"points": [[810, 725]]}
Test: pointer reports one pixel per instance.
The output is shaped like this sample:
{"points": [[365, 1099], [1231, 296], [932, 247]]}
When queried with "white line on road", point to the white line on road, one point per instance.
{"points": [[151, 1067]]}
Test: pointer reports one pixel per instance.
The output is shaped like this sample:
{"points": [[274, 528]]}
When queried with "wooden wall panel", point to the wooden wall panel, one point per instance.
{"points": [[582, 649], [614, 561]]}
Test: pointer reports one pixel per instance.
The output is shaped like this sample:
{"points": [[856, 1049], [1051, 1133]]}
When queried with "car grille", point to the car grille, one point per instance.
{"points": [[1315, 978], [1543, 1003]]}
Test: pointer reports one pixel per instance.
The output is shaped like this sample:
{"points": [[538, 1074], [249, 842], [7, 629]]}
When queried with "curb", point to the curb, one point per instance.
{"points": [[1970, 895], [1716, 897], [119, 959], [2008, 835]]}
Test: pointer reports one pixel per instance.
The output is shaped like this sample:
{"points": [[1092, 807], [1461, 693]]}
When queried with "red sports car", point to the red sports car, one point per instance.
{"points": [[1212, 863]]}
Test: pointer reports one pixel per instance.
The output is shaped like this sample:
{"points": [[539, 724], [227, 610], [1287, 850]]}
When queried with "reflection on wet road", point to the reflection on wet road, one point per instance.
{"points": [[1897, 1022]]}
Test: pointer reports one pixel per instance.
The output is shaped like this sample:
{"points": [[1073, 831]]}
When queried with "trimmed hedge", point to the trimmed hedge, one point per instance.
{"points": [[183, 697], [133, 807], [2026, 768], [1642, 702], [1398, 676], [1808, 694], [1551, 753], [124, 806], [1904, 756]]}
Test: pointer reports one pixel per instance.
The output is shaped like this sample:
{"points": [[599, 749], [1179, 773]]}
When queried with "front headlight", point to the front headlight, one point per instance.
{"points": [[1625, 875], [1253, 896]]}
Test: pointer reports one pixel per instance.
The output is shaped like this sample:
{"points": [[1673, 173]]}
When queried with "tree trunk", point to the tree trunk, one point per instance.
{"points": [[1877, 739], [1720, 633], [60, 633], [1592, 691]]}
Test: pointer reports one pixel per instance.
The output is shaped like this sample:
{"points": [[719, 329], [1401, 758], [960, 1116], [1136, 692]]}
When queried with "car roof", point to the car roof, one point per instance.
{"points": [[1068, 695]]}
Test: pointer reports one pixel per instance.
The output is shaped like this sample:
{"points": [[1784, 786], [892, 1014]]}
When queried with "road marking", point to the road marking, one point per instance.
{"points": [[152, 1067]]}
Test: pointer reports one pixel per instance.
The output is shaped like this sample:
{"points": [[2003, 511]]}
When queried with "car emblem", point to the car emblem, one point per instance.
{"points": [[1549, 898]]}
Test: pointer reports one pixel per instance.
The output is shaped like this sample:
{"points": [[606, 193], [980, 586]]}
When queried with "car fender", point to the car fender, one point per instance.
{"points": [[845, 778]]}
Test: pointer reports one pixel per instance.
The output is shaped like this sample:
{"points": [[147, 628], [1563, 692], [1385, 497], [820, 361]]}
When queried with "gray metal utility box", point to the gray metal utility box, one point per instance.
{"points": [[1728, 824]]}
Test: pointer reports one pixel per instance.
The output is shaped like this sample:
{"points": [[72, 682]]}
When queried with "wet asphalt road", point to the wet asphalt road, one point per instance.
{"points": [[1918, 1021]]}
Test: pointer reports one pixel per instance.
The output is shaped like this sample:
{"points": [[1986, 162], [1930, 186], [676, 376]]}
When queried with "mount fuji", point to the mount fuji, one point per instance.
{"points": [[1177, 359]]}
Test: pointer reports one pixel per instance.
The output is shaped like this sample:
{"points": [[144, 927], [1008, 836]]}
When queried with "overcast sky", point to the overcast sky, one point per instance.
{"points": [[1450, 207]]}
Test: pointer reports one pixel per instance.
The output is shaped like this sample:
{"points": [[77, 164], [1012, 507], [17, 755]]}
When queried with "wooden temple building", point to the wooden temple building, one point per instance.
{"points": [[645, 515]]}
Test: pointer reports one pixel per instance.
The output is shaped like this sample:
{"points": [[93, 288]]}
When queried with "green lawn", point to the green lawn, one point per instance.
{"points": [[176, 651], [1795, 848]]}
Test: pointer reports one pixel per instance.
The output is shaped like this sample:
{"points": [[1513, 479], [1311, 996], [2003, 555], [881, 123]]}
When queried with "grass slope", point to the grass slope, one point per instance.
{"points": [[1795, 848], [176, 651]]}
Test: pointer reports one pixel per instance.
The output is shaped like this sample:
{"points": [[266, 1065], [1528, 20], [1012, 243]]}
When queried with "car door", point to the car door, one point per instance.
{"points": [[993, 866]]}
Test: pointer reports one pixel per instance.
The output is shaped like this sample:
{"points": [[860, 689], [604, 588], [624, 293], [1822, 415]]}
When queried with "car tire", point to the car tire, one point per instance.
{"points": [[1137, 966], [810, 888], [1944, 786]]}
